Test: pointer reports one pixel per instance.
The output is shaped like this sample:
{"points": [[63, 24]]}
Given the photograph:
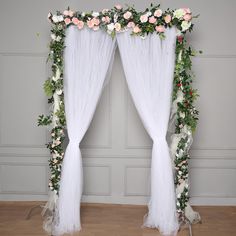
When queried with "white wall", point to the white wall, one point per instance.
{"points": [[116, 149]]}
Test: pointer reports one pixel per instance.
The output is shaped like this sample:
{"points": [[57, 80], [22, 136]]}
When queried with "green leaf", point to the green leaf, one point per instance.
{"points": [[48, 88]]}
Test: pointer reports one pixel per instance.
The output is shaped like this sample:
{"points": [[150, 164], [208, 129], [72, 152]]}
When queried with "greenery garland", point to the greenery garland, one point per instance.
{"points": [[118, 19]]}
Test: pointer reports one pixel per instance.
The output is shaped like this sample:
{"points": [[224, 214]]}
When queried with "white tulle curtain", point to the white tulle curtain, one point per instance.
{"points": [[149, 67], [88, 55]]}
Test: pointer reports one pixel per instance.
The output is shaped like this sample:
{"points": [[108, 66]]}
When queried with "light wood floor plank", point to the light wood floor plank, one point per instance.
{"points": [[113, 220]]}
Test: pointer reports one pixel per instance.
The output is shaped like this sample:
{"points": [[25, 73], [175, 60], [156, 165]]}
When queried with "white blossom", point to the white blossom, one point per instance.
{"points": [[60, 18], [110, 27], [55, 19], [185, 25], [95, 14], [179, 13], [53, 36]]}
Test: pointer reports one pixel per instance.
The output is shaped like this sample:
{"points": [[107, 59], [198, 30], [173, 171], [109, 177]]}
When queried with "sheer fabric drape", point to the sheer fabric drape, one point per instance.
{"points": [[149, 67], [88, 55]]}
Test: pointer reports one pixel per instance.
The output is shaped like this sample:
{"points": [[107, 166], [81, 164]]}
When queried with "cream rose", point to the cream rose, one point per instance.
{"points": [[144, 18], [136, 30], [127, 15], [179, 13], [185, 25], [167, 19], [117, 27], [158, 13]]}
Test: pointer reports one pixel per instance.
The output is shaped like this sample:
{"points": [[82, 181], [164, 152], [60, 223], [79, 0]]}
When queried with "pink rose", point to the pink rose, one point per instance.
{"points": [[90, 23], [127, 15], [136, 29], [187, 10], [75, 21], [152, 20], [117, 27], [80, 24], [158, 13], [70, 13], [187, 17], [118, 6], [143, 18], [66, 13], [131, 24], [96, 28], [108, 19], [96, 21], [67, 21], [160, 28], [167, 19]]}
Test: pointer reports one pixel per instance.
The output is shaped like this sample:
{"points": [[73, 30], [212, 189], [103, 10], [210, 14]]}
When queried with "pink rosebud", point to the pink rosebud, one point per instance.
{"points": [[80, 24], [136, 29], [67, 21], [75, 21], [66, 13], [160, 28], [127, 15], [187, 10], [131, 24], [90, 23], [96, 21], [152, 20], [95, 28], [187, 17], [158, 13], [144, 18], [118, 6], [70, 13], [167, 19]]}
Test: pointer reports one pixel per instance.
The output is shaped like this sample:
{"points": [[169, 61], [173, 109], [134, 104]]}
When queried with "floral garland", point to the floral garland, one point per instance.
{"points": [[118, 19]]}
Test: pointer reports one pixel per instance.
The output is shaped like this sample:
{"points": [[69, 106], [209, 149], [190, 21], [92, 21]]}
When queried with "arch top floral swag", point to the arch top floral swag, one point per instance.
{"points": [[184, 115]]}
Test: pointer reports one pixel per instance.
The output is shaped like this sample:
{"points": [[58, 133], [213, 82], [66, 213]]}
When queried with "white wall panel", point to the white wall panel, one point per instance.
{"points": [[116, 148]]}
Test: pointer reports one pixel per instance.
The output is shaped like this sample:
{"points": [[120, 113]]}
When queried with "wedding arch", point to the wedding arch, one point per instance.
{"points": [[157, 63]]}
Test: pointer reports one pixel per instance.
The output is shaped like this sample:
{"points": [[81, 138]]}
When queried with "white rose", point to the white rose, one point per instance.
{"points": [[185, 25], [59, 92], [58, 38], [180, 96], [55, 19], [60, 18], [53, 36], [110, 27], [149, 13], [83, 14], [95, 14], [57, 76], [182, 115], [179, 13]]}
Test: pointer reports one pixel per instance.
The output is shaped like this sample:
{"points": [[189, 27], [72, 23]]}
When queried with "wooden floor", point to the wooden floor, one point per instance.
{"points": [[113, 220]]}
